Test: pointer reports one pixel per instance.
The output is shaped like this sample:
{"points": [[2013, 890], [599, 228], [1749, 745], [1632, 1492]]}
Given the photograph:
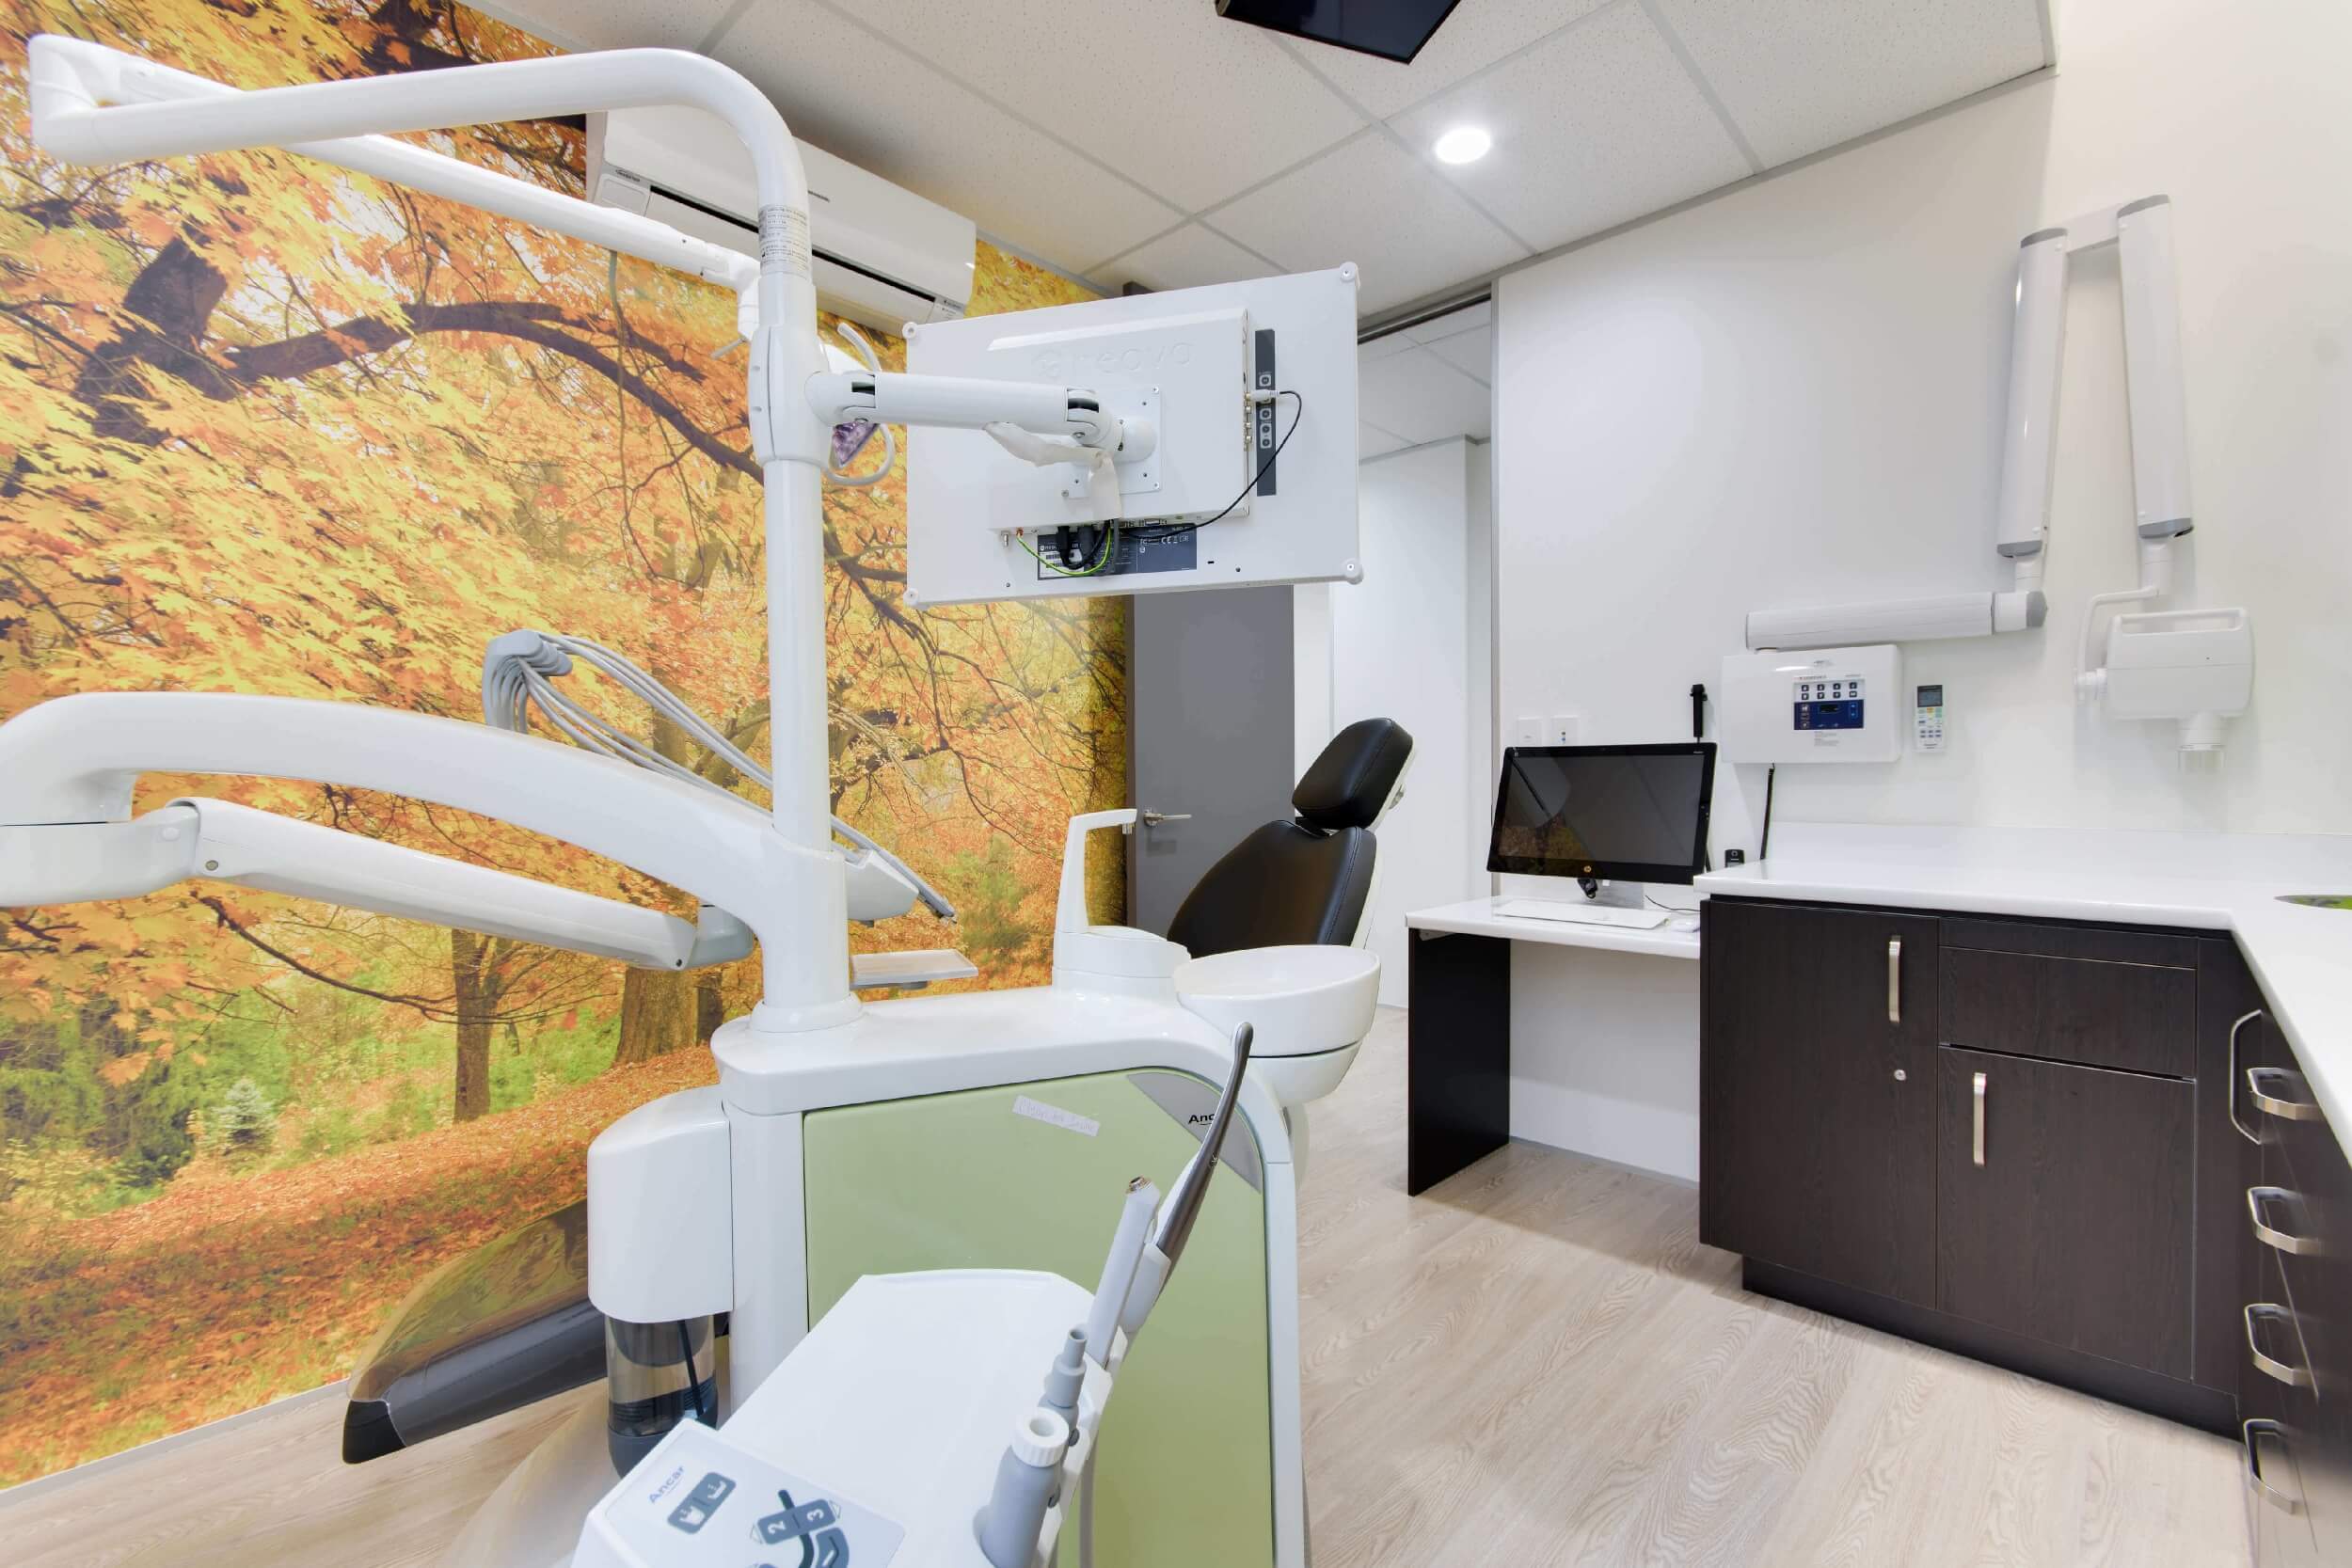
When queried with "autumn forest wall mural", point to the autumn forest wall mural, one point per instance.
{"points": [[269, 427]]}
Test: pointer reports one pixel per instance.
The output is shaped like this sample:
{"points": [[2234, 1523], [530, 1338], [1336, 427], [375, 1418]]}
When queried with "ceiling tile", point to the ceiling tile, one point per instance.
{"points": [[1384, 345], [1799, 75], [1479, 33], [614, 23], [1372, 441], [1422, 398], [1473, 353], [1597, 125], [1185, 103], [1184, 259], [1371, 202], [937, 139]]}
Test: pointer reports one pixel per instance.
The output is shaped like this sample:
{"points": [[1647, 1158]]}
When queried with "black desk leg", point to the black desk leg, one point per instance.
{"points": [[1458, 1043]]}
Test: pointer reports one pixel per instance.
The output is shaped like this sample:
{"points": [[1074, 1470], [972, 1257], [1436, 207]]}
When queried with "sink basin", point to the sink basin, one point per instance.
{"points": [[2318, 900]]}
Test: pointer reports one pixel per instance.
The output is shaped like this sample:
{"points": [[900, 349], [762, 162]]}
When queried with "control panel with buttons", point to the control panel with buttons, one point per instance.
{"points": [[1834, 704]]}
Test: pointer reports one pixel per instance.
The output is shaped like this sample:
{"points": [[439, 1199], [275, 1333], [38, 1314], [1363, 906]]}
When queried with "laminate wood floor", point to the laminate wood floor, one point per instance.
{"points": [[1537, 1362]]}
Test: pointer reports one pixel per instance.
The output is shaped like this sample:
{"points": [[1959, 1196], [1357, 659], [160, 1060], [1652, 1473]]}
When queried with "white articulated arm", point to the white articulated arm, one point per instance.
{"points": [[948, 401], [76, 759], [72, 77], [221, 841]]}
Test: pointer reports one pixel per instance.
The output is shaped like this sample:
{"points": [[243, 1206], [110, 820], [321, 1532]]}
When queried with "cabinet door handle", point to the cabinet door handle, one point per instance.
{"points": [[2236, 1029], [1976, 1094], [2268, 1234], [2272, 1087], [1893, 979], [2270, 1365], [2249, 1432]]}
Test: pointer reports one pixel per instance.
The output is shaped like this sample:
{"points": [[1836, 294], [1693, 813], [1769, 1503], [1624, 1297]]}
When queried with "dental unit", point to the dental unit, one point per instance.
{"points": [[885, 1203]]}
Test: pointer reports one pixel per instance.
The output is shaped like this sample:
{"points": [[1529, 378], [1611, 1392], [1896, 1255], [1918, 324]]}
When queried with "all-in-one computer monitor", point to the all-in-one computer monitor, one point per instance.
{"points": [[1628, 813]]}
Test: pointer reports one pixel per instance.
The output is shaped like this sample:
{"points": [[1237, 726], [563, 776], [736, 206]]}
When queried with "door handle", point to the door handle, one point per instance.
{"points": [[1153, 818], [1975, 1090], [2230, 1084], [1895, 980], [2270, 1235]]}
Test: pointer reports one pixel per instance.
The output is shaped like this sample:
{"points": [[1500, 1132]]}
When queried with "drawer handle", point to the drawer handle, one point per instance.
{"points": [[2249, 1432], [2269, 1366], [2236, 1029], [1893, 979], [2269, 1235], [1975, 1092], [2262, 1081]]}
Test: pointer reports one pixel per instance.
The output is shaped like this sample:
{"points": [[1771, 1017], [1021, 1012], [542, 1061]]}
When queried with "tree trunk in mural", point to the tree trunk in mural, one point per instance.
{"points": [[471, 966]]}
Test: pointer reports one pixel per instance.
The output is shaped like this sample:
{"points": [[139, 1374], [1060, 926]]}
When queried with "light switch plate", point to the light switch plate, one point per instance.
{"points": [[1530, 731]]}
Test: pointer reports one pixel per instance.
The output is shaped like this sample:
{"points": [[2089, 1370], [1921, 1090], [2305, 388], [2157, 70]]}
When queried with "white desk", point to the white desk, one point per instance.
{"points": [[1459, 1075]]}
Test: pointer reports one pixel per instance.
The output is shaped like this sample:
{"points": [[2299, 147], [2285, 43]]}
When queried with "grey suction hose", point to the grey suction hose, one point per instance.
{"points": [[520, 667]]}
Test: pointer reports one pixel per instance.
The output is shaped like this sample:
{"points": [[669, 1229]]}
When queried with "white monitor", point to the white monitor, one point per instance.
{"points": [[1233, 491]]}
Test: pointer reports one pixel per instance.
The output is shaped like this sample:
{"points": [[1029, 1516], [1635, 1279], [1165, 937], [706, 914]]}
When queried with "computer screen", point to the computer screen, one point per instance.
{"points": [[1629, 813]]}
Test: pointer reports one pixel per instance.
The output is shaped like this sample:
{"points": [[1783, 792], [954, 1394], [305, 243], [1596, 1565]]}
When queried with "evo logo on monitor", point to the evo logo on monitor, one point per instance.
{"points": [[1054, 364]]}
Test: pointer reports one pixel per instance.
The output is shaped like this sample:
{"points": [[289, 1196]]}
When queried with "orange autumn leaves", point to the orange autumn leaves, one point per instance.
{"points": [[269, 427]]}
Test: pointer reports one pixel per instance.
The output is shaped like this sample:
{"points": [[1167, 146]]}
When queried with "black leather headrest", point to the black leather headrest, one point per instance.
{"points": [[1351, 781]]}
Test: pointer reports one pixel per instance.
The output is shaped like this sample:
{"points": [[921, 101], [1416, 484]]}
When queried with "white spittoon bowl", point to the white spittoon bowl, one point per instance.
{"points": [[1297, 1001]]}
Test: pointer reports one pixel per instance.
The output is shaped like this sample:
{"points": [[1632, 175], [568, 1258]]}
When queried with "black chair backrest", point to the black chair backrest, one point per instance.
{"points": [[1304, 881]]}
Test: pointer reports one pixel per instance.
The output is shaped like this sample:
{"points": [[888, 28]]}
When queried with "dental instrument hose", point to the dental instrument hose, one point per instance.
{"points": [[520, 669]]}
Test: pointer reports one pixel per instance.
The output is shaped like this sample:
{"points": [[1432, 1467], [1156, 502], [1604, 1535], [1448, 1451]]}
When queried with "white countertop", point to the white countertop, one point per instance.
{"points": [[1476, 917], [2205, 882]]}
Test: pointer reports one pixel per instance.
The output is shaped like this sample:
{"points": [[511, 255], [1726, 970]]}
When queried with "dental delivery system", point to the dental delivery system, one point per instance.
{"points": [[932, 1171]]}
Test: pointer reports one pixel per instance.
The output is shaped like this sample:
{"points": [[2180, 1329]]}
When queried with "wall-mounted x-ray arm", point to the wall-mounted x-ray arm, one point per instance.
{"points": [[2142, 233]]}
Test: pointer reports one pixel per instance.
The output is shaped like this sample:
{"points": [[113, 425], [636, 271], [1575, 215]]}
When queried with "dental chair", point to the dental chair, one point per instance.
{"points": [[510, 1323], [1305, 880]]}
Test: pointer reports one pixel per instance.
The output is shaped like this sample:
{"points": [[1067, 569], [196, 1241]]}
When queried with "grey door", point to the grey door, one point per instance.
{"points": [[1210, 717]]}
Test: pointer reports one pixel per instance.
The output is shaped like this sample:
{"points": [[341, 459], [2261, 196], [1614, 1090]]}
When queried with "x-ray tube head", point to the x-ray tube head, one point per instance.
{"points": [[2029, 446], [2151, 368]]}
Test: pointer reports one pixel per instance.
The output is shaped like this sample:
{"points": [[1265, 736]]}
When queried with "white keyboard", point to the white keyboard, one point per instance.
{"points": [[1579, 915]]}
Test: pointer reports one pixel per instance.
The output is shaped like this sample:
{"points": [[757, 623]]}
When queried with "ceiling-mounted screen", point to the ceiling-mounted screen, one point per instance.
{"points": [[1392, 29]]}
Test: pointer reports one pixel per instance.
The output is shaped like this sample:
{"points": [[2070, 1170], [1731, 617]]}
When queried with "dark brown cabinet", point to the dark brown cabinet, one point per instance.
{"points": [[2063, 1196], [1817, 1115], [1978, 1132]]}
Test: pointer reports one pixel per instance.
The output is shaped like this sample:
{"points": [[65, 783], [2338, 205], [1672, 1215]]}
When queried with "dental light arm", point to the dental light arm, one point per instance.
{"points": [[68, 767], [71, 76], [221, 841]]}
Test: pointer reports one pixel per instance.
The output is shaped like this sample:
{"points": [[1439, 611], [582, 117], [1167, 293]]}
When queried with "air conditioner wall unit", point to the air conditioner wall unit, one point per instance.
{"points": [[885, 256]]}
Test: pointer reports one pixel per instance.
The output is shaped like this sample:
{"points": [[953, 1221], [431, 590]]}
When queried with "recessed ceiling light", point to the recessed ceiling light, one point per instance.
{"points": [[1464, 144]]}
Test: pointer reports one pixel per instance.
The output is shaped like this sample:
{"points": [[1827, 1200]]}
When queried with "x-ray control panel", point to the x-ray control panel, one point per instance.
{"points": [[1834, 704], [1814, 704], [699, 1500]]}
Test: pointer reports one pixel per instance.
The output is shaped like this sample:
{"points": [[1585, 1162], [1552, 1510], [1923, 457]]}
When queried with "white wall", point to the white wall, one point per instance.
{"points": [[1794, 394], [1412, 643]]}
